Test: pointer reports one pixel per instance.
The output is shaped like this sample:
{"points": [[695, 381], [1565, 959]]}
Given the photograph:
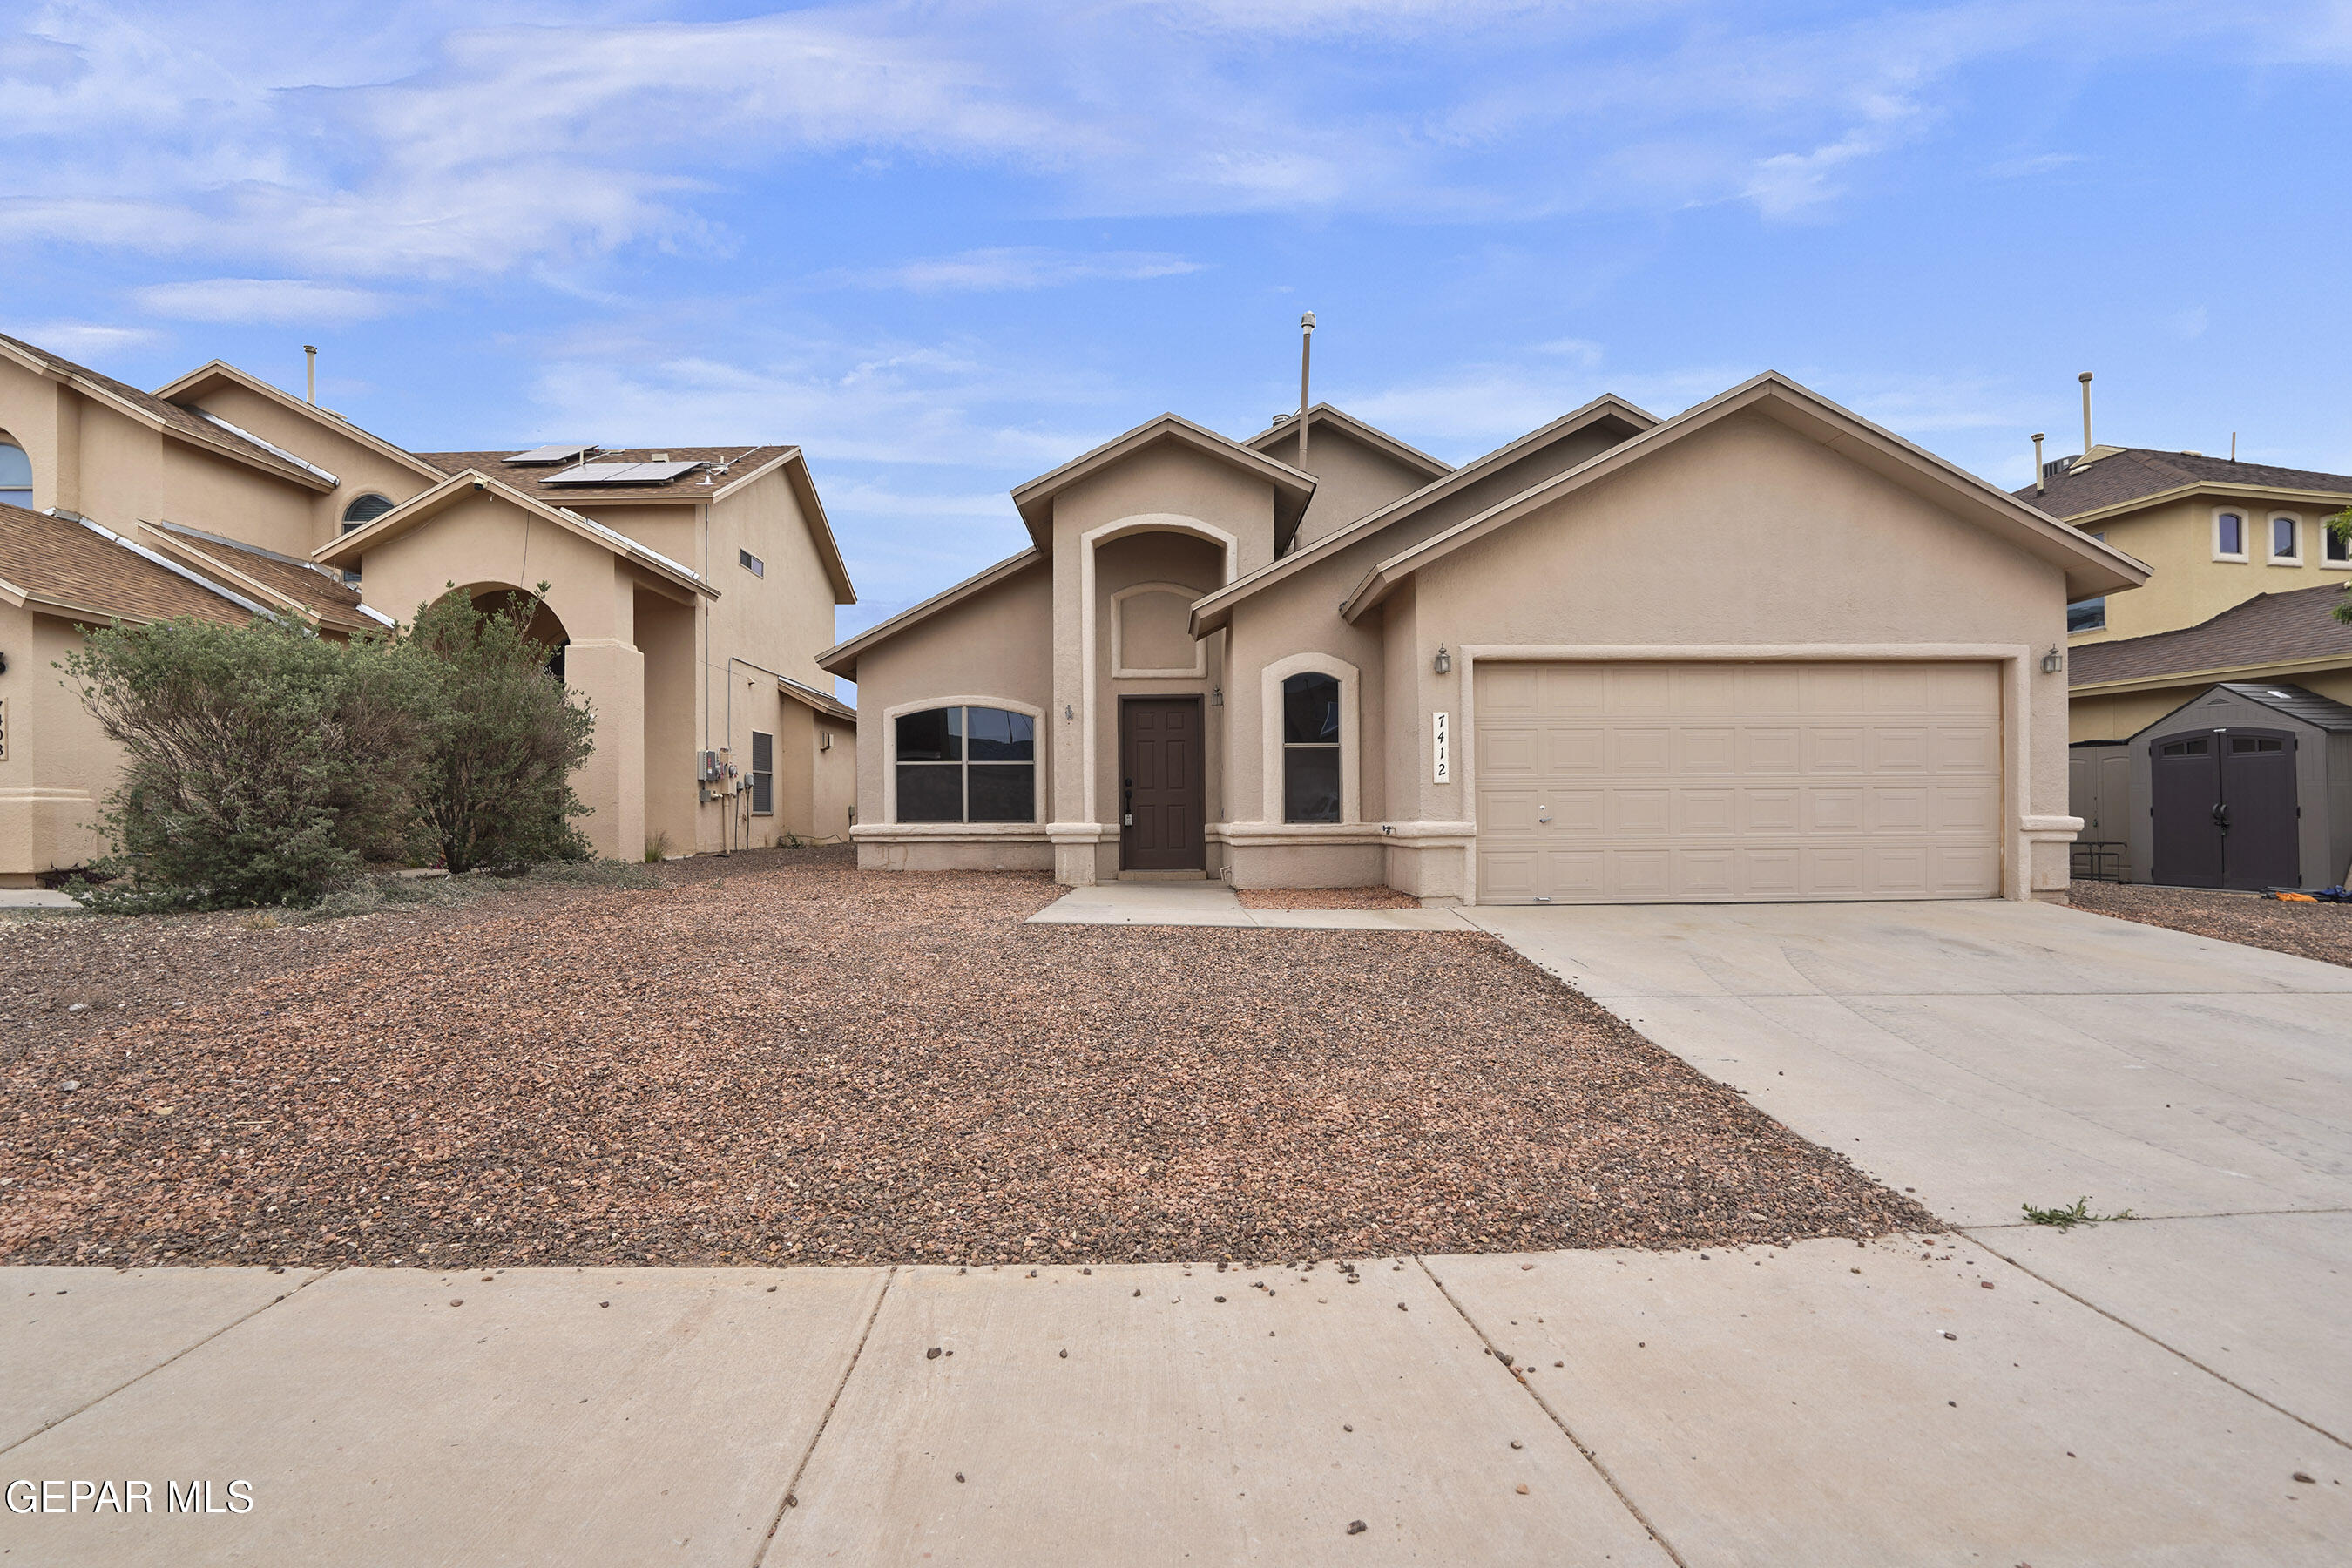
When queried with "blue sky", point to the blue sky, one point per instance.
{"points": [[946, 246]]}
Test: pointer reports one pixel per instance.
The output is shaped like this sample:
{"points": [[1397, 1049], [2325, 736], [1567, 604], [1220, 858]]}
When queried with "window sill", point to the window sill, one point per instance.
{"points": [[2233, 559], [2289, 561]]}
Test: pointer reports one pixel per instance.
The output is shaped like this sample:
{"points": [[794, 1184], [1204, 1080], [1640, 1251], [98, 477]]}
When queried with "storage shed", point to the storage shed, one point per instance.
{"points": [[2248, 786]]}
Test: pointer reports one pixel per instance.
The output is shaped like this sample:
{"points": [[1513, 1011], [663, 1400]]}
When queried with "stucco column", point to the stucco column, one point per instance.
{"points": [[612, 675], [1074, 833]]}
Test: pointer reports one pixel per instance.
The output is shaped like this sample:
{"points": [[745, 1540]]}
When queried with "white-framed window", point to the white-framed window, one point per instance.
{"points": [[16, 475], [2087, 615], [1310, 747], [2228, 535], [750, 563], [763, 773], [2286, 532], [965, 764], [2335, 549]]}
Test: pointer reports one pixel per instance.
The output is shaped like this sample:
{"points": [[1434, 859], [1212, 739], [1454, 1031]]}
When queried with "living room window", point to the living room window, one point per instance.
{"points": [[966, 764], [763, 775], [1311, 748], [2228, 536], [2286, 538]]}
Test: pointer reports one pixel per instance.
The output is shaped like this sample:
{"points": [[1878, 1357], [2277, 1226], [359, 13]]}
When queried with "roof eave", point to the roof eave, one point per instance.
{"points": [[2192, 489], [2215, 676], [221, 370]]}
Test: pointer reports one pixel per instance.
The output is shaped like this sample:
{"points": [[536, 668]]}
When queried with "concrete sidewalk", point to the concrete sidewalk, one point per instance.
{"points": [[1215, 904], [1823, 1404]]}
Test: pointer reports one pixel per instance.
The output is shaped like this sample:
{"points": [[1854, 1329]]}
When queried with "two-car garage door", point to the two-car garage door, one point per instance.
{"points": [[1717, 781]]}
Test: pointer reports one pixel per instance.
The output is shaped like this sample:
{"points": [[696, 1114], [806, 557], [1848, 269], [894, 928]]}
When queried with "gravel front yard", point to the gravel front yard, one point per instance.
{"points": [[2309, 931], [777, 1058]]}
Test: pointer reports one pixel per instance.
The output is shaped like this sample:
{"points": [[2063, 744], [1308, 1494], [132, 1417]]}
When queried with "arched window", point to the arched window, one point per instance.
{"points": [[967, 764], [1311, 748], [364, 510], [16, 475]]}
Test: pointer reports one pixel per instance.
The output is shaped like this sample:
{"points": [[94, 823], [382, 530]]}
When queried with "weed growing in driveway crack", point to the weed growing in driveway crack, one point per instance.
{"points": [[2074, 1214]]}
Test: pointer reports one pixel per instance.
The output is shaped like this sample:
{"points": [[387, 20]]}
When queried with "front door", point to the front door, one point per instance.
{"points": [[2222, 806], [1163, 801]]}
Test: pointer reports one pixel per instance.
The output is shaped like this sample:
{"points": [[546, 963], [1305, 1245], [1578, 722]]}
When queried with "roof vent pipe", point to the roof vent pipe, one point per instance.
{"points": [[1306, 343], [311, 353], [2085, 379], [2037, 462]]}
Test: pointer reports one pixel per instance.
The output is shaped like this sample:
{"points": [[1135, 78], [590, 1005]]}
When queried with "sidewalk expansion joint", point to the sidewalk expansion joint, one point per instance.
{"points": [[2168, 1349], [791, 1499], [316, 1275], [1554, 1416]]}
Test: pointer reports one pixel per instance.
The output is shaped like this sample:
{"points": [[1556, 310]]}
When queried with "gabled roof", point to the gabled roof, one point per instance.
{"points": [[289, 584], [1291, 488], [422, 508], [727, 471], [190, 388], [2126, 477], [824, 702], [1323, 415], [2296, 628], [169, 418], [76, 568], [2090, 566], [841, 658], [1216, 609]]}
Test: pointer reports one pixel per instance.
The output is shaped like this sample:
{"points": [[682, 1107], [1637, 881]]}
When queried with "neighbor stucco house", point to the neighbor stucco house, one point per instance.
{"points": [[689, 589], [1761, 650]]}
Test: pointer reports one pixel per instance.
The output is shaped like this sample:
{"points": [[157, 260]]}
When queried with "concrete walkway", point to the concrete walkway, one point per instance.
{"points": [[1215, 904], [2171, 1390]]}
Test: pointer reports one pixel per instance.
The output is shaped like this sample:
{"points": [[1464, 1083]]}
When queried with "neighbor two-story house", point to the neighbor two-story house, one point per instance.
{"points": [[689, 589], [2211, 710]]}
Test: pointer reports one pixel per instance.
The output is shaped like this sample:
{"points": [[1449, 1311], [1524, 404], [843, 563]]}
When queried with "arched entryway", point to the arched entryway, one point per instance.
{"points": [[546, 628]]}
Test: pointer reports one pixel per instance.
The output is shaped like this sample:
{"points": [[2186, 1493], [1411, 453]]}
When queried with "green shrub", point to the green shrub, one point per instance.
{"points": [[263, 766], [501, 738]]}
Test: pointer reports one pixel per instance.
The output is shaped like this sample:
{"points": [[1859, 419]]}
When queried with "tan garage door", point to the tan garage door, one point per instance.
{"points": [[1708, 782]]}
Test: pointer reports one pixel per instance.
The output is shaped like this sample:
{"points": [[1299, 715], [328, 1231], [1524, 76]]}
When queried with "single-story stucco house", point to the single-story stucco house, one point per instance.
{"points": [[689, 589], [1762, 650]]}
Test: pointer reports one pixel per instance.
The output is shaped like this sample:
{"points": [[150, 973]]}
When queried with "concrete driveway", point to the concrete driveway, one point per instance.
{"points": [[2167, 1391], [1989, 1055]]}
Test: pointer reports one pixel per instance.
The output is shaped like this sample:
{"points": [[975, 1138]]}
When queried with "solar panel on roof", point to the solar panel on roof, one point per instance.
{"points": [[621, 474], [551, 456]]}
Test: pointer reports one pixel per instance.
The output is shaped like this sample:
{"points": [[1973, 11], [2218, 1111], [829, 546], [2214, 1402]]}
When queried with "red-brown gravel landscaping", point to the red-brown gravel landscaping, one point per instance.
{"points": [[779, 1057], [1326, 899], [2309, 931]]}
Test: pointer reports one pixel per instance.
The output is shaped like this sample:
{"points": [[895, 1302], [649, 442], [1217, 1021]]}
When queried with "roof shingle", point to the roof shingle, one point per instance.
{"points": [[2137, 471], [2271, 628], [320, 593], [68, 565], [186, 421]]}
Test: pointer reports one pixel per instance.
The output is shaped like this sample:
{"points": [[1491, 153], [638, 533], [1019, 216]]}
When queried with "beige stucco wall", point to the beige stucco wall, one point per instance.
{"points": [[58, 766], [318, 437], [998, 644], [1351, 478], [2189, 585]]}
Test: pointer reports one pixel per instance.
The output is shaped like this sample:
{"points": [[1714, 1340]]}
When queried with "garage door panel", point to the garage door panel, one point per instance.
{"points": [[1720, 781]]}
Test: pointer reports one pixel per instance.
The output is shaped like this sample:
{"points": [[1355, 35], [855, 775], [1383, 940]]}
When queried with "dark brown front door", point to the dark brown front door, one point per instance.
{"points": [[1162, 798]]}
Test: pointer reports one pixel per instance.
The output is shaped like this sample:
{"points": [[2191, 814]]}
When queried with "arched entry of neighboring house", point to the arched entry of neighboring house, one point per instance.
{"points": [[546, 628]]}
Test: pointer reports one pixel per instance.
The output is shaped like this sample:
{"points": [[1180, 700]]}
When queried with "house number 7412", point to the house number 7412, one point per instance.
{"points": [[1442, 754]]}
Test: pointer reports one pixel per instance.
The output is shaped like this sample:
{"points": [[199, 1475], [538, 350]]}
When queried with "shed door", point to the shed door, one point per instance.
{"points": [[2263, 843], [1716, 781], [2223, 809]]}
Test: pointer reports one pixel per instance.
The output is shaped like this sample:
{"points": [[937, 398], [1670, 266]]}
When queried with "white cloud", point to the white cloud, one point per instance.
{"points": [[2039, 164], [85, 340], [261, 299], [433, 141], [999, 269]]}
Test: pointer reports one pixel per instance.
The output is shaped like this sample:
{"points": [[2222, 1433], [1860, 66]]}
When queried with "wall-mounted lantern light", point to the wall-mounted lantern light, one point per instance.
{"points": [[1216, 697], [1443, 662], [2053, 661]]}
